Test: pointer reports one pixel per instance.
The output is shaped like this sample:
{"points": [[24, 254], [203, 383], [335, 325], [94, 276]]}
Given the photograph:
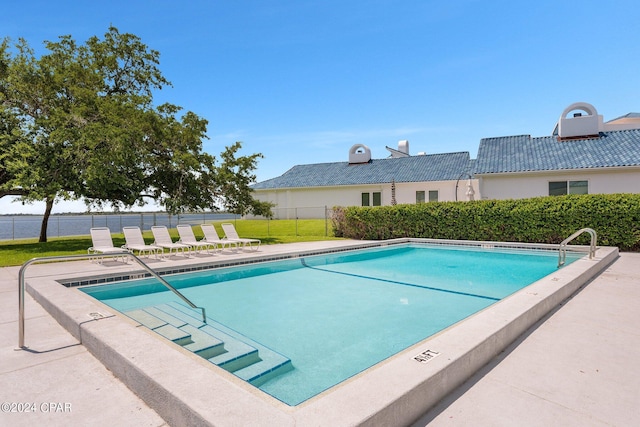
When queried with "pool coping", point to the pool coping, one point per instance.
{"points": [[396, 391]]}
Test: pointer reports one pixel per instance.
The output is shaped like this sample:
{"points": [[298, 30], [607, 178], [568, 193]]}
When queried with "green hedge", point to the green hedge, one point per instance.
{"points": [[614, 217]]}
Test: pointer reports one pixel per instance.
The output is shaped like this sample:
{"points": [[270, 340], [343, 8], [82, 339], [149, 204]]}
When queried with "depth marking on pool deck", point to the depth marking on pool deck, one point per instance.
{"points": [[426, 356], [399, 283]]}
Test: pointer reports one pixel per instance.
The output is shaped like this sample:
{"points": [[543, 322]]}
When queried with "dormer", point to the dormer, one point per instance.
{"points": [[359, 153], [578, 121]]}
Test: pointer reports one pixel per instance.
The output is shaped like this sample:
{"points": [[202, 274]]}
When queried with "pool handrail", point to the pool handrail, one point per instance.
{"points": [[562, 252], [21, 275]]}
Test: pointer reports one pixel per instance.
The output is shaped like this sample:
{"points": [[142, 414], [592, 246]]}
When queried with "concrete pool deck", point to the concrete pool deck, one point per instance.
{"points": [[575, 367]]}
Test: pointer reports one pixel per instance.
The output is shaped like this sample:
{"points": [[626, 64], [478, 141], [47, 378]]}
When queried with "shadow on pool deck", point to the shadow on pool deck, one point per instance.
{"points": [[578, 366]]}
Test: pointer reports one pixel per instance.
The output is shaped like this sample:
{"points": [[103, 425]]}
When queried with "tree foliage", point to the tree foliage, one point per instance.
{"points": [[79, 122]]}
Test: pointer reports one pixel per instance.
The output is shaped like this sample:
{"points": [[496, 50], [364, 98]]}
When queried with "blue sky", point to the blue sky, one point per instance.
{"points": [[302, 81]]}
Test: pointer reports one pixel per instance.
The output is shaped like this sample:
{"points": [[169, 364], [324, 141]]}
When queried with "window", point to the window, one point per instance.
{"points": [[421, 196], [559, 188], [578, 187], [377, 199]]}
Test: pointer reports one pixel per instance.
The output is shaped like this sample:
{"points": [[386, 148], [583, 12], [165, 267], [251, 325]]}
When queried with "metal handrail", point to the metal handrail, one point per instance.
{"points": [[562, 251], [89, 256]]}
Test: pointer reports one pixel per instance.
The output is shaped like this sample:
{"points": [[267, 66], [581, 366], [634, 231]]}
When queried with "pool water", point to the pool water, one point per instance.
{"points": [[336, 315]]}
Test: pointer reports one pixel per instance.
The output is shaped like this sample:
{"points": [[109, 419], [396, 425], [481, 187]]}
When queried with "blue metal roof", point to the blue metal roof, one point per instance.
{"points": [[432, 167], [523, 153]]}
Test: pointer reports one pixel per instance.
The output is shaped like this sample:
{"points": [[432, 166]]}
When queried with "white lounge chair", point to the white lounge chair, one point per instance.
{"points": [[103, 243], [211, 236], [231, 235], [163, 239], [135, 242], [188, 238]]}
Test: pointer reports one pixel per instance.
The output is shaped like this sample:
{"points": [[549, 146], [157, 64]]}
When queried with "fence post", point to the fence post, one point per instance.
{"points": [[326, 221], [296, 213]]}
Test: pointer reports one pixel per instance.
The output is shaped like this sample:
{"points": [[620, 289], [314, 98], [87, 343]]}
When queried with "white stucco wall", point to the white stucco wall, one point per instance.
{"points": [[310, 202], [506, 186], [406, 192]]}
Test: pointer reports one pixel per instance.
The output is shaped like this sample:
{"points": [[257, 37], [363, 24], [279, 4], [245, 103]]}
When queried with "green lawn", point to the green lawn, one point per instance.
{"points": [[16, 252]]}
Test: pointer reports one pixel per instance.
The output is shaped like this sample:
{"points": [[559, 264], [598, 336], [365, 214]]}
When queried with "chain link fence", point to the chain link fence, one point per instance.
{"points": [[309, 212], [299, 221], [13, 227]]}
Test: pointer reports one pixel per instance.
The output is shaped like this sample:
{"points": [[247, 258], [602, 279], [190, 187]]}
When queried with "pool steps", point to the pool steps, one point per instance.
{"points": [[180, 333], [269, 365], [203, 344], [220, 345]]}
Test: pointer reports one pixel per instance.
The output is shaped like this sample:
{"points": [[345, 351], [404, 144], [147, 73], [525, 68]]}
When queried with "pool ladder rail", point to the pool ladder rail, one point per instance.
{"points": [[123, 254], [562, 252]]}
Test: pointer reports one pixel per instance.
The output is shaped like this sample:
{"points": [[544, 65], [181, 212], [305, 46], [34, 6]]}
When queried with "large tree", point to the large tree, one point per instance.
{"points": [[79, 122]]}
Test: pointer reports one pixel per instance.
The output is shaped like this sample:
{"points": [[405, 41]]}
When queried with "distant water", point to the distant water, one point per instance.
{"points": [[28, 226]]}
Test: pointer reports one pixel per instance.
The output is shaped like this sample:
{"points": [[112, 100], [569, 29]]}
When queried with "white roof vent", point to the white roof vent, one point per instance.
{"points": [[579, 125], [402, 151], [403, 146], [359, 153]]}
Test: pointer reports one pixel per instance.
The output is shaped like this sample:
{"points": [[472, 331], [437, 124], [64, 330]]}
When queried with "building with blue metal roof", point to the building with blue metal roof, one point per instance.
{"points": [[434, 167], [582, 155], [305, 190]]}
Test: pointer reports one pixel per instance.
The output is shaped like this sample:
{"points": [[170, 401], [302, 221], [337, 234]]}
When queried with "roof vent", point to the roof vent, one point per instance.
{"points": [[403, 146], [402, 151], [579, 126], [359, 153]]}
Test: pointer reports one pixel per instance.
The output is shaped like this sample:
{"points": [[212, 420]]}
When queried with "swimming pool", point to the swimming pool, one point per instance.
{"points": [[336, 315]]}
